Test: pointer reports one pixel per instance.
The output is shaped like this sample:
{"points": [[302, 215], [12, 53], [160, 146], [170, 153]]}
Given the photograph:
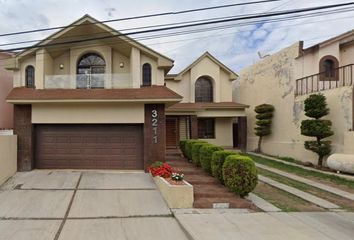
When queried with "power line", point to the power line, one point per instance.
{"points": [[2, 59], [253, 16], [224, 27], [143, 16]]}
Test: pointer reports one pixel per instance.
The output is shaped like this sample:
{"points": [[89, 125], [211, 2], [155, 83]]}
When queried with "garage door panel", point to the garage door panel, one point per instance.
{"points": [[89, 146]]}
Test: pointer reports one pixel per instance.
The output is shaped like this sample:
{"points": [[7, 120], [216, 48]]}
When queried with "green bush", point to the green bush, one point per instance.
{"points": [[316, 108], [188, 148], [195, 152], [205, 154], [217, 161], [263, 123], [182, 146], [240, 174]]}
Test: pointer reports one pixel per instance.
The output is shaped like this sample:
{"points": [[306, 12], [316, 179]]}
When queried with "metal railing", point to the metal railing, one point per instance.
{"points": [[88, 81], [338, 77]]}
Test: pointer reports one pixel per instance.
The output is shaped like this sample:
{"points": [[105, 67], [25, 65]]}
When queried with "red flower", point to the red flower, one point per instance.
{"points": [[162, 169]]}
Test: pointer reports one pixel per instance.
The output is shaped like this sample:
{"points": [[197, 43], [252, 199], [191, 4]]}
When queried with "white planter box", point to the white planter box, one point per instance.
{"points": [[176, 196]]}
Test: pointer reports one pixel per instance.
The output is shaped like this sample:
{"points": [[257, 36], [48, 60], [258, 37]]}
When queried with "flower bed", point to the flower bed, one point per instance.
{"points": [[178, 195], [177, 192]]}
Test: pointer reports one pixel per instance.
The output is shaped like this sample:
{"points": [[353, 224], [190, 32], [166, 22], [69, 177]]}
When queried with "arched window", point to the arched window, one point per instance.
{"points": [[146, 74], [203, 90], [29, 76], [329, 68], [90, 70]]}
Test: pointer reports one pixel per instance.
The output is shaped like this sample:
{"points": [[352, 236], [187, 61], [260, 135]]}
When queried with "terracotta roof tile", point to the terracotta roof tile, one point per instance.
{"points": [[153, 92]]}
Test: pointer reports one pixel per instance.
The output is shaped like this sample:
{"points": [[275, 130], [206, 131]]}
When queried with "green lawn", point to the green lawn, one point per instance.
{"points": [[302, 172]]}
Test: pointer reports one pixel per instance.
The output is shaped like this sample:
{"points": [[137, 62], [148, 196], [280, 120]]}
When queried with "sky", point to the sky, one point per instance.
{"points": [[237, 46]]}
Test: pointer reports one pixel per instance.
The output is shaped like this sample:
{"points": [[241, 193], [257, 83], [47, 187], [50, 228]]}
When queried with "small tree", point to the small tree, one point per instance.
{"points": [[264, 121], [316, 108]]}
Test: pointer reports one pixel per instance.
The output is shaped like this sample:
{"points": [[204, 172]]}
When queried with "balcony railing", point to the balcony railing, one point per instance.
{"points": [[88, 81], [338, 77]]}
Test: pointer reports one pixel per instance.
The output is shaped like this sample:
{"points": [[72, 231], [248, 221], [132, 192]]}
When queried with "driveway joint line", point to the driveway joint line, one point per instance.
{"points": [[86, 189], [67, 210], [87, 218]]}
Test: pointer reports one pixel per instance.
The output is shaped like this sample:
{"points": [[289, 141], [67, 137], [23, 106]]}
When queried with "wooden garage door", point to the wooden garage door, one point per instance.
{"points": [[89, 146]]}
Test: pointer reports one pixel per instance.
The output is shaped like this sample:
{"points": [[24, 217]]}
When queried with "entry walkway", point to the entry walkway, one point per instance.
{"points": [[68, 205], [208, 192]]}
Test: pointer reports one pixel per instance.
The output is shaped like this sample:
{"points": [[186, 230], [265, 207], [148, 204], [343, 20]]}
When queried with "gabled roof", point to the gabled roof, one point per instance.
{"points": [[341, 37], [163, 61], [178, 76]]}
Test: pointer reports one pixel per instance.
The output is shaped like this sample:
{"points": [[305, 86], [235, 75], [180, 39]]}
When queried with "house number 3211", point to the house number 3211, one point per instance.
{"points": [[154, 124]]}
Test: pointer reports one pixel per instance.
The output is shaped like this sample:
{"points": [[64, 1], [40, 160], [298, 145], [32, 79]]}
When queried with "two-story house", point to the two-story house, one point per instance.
{"points": [[90, 97], [286, 78], [207, 111]]}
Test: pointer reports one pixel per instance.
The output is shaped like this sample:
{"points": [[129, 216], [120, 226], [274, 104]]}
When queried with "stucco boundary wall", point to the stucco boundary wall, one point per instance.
{"points": [[8, 157]]}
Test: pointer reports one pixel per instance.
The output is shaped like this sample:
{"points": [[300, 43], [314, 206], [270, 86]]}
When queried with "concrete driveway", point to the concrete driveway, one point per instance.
{"points": [[65, 205]]}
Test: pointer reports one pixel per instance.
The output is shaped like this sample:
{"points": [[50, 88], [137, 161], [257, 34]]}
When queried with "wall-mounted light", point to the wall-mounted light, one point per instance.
{"points": [[61, 66], [121, 64]]}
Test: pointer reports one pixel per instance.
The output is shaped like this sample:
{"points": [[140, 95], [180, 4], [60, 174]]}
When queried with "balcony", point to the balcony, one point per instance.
{"points": [[338, 77], [88, 81]]}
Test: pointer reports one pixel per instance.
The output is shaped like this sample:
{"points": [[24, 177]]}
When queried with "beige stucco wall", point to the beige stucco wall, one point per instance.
{"points": [[62, 59], [6, 109], [346, 55], [222, 113], [45, 65], [117, 59], [62, 113], [222, 86], [181, 87], [223, 132], [272, 80], [308, 64], [8, 159], [19, 75]]}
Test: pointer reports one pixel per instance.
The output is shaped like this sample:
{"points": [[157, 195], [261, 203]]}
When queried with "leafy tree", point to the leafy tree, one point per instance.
{"points": [[316, 108], [264, 122]]}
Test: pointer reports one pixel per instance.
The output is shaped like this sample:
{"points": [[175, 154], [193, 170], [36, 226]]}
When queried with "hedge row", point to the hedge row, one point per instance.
{"points": [[235, 171]]}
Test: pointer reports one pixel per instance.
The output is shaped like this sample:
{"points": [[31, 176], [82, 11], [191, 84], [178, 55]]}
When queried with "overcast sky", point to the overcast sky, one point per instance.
{"points": [[237, 46]]}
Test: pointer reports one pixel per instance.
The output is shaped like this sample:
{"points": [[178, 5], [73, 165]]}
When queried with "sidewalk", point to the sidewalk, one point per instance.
{"points": [[268, 226]]}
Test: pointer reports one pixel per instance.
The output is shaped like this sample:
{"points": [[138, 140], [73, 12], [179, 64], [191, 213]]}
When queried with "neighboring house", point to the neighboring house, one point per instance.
{"points": [[287, 78], [6, 109], [206, 111], [101, 104]]}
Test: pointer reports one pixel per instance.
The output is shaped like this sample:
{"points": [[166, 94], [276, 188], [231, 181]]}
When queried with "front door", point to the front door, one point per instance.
{"points": [[235, 134], [171, 132]]}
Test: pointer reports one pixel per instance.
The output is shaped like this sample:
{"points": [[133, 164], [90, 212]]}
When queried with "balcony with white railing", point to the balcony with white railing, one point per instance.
{"points": [[88, 81]]}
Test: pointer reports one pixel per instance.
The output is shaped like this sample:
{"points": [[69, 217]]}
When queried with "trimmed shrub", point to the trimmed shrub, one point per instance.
{"points": [[196, 154], [264, 122], [240, 174], [217, 161], [188, 148], [182, 146], [316, 108], [205, 154]]}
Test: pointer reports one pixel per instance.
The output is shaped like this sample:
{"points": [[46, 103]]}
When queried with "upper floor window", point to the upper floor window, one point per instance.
{"points": [[146, 74], [29, 76], [203, 90], [329, 68], [90, 68]]}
